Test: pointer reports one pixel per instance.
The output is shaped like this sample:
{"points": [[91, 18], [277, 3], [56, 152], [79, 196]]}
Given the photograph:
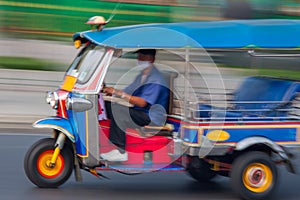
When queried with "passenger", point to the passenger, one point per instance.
{"points": [[149, 96]]}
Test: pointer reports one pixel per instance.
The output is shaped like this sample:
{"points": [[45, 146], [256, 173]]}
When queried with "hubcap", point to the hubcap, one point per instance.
{"points": [[257, 177], [44, 167]]}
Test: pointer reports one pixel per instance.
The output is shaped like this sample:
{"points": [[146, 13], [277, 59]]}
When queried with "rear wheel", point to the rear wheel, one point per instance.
{"points": [[36, 164], [254, 175], [200, 170]]}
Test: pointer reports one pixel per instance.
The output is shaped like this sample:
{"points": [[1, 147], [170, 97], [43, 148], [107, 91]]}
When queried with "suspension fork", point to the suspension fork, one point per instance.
{"points": [[59, 144]]}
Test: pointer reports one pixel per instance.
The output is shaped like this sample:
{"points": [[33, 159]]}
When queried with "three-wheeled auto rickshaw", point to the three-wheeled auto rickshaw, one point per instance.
{"points": [[242, 133]]}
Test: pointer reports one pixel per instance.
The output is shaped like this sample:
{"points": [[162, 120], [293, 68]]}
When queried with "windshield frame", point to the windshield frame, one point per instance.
{"points": [[89, 67]]}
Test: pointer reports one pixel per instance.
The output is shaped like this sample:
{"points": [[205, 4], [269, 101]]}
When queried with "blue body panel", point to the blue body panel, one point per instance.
{"points": [[211, 34], [275, 134], [78, 119], [191, 135], [81, 143]]}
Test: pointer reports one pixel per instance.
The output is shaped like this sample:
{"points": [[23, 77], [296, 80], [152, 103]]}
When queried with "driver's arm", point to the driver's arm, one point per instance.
{"points": [[138, 101]]}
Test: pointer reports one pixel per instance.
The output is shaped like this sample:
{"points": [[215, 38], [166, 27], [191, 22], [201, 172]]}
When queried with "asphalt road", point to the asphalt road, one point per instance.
{"points": [[14, 185]]}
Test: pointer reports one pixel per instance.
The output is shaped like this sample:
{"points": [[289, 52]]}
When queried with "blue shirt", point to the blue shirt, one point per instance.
{"points": [[155, 92]]}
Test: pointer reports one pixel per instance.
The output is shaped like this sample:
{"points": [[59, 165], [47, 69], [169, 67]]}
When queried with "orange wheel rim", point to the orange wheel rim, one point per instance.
{"points": [[43, 165], [257, 177]]}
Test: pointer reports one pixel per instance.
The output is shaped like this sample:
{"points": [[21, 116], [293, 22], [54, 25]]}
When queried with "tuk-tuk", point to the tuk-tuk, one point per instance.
{"points": [[242, 133]]}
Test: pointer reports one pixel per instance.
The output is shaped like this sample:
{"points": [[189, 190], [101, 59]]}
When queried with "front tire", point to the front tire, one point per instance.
{"points": [[36, 164], [254, 175]]}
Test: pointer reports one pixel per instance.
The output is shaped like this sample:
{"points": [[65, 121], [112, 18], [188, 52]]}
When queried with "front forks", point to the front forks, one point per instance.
{"points": [[59, 144]]}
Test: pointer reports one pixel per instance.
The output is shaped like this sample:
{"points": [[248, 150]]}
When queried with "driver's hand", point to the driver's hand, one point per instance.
{"points": [[109, 90]]}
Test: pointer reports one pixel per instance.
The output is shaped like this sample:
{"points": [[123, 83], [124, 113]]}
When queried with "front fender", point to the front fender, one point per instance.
{"points": [[57, 123]]}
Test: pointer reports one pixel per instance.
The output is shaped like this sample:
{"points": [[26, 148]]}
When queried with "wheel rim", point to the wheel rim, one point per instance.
{"points": [[257, 177], [43, 165]]}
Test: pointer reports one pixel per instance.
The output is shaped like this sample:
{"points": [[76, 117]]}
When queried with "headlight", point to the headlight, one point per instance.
{"points": [[52, 99]]}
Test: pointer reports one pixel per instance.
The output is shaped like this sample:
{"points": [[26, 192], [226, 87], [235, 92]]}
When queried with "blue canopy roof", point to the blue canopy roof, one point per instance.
{"points": [[213, 34]]}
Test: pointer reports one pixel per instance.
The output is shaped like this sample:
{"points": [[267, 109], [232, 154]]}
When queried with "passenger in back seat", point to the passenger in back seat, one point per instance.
{"points": [[148, 93]]}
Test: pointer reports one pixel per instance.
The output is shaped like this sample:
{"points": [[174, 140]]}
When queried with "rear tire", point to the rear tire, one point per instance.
{"points": [[200, 170], [254, 175], [36, 164]]}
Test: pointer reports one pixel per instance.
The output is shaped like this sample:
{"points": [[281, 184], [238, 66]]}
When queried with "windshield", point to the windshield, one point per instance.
{"points": [[86, 62]]}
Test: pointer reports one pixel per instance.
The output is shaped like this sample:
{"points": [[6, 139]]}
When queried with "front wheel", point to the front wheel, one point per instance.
{"points": [[254, 175], [36, 164]]}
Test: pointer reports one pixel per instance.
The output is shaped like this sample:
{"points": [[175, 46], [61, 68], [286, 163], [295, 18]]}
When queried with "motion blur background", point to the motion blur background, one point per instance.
{"points": [[52, 18], [38, 21]]}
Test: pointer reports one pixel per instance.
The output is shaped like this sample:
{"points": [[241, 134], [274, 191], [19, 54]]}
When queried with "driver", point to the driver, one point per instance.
{"points": [[148, 94]]}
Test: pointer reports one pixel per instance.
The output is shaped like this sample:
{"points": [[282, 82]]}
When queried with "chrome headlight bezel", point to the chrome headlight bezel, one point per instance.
{"points": [[78, 104]]}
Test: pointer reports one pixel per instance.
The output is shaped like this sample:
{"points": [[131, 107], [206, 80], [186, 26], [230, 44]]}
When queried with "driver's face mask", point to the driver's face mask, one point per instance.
{"points": [[143, 64]]}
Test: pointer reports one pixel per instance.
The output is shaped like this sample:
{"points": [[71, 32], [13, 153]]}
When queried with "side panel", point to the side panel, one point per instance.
{"points": [[86, 122], [281, 134]]}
